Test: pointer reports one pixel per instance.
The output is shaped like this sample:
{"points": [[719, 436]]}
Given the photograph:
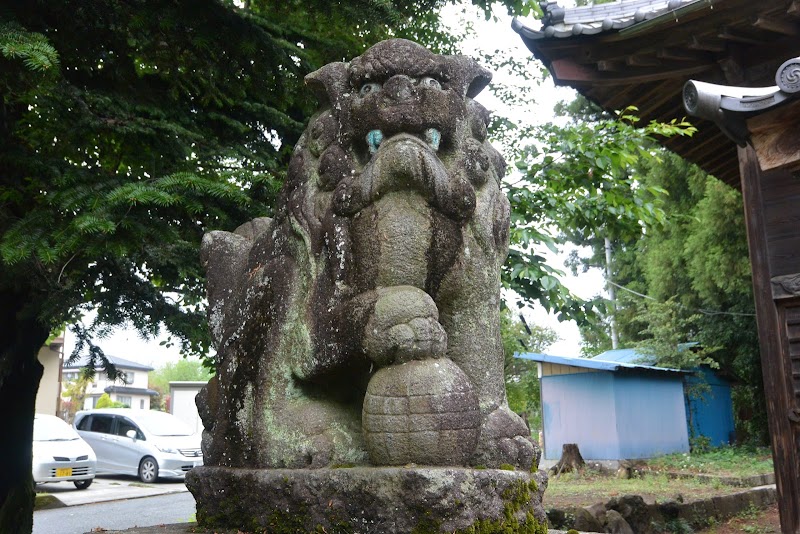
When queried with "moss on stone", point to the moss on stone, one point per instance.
{"points": [[427, 525], [507, 467], [516, 496]]}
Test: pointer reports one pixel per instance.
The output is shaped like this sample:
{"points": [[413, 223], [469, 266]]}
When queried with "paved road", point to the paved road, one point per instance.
{"points": [[114, 502], [116, 515]]}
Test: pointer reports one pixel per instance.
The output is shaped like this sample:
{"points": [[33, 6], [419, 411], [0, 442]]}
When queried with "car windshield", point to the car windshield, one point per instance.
{"points": [[163, 424], [51, 428]]}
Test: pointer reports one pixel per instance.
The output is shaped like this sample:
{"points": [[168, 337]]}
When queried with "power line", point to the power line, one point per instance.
{"points": [[703, 311]]}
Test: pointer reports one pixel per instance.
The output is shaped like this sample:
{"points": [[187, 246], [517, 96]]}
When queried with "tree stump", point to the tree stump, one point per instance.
{"points": [[571, 460]]}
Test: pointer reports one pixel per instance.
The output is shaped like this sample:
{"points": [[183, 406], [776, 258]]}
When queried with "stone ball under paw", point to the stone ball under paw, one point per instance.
{"points": [[423, 412]]}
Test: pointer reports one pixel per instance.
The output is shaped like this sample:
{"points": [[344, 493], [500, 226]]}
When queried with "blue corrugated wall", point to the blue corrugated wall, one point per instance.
{"points": [[651, 416], [579, 409], [713, 415], [612, 416]]}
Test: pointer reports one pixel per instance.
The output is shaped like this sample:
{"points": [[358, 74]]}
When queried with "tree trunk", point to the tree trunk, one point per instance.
{"points": [[571, 460], [21, 338]]}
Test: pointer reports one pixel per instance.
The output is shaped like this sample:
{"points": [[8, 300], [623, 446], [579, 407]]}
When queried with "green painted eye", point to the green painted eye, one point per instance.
{"points": [[369, 88], [430, 82]]}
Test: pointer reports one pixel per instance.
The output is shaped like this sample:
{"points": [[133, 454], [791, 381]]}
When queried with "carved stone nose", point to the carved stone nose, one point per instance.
{"points": [[399, 87]]}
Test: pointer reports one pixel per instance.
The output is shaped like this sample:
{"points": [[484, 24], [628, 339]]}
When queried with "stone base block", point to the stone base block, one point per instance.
{"points": [[361, 500]]}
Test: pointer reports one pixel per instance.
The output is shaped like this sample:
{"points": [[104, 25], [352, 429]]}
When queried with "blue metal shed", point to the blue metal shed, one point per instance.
{"points": [[612, 410], [709, 413]]}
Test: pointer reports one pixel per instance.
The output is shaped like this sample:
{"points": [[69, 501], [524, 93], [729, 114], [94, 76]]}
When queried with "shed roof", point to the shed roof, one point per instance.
{"points": [[593, 363], [641, 52], [624, 356], [637, 356]]}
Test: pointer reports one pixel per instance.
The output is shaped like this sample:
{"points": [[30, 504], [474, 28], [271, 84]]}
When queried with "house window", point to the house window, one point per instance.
{"points": [[127, 377], [124, 399], [70, 376], [141, 404]]}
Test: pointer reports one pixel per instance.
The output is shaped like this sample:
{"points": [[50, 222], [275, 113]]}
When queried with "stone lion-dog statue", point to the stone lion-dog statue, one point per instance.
{"points": [[360, 325]]}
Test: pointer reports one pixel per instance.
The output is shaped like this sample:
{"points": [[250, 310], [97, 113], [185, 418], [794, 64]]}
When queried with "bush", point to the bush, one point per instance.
{"points": [[105, 402]]}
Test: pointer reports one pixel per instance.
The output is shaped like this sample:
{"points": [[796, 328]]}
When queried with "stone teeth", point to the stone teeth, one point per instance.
{"points": [[433, 137], [374, 139]]}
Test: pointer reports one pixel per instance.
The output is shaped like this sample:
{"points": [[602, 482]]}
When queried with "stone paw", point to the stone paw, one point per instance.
{"points": [[505, 440], [404, 326]]}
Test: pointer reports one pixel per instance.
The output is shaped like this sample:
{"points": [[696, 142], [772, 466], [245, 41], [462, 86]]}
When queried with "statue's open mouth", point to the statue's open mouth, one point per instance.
{"points": [[431, 136]]}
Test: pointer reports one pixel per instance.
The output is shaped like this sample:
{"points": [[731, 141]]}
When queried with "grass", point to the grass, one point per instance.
{"points": [[45, 501], [723, 461], [589, 487], [574, 489]]}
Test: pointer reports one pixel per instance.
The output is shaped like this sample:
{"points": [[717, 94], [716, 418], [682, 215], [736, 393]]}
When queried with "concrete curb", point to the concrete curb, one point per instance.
{"points": [[742, 482], [106, 489]]}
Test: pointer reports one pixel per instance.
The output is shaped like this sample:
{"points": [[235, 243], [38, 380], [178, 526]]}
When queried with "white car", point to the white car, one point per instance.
{"points": [[59, 453], [144, 443]]}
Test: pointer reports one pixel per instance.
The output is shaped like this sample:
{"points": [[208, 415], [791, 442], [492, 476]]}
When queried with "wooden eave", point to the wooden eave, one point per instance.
{"points": [[732, 42]]}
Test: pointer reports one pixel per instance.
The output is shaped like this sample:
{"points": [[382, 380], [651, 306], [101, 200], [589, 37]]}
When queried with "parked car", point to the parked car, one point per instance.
{"points": [[144, 443], [59, 453]]}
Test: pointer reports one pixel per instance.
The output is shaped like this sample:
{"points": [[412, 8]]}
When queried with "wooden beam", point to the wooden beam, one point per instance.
{"points": [[641, 60], [785, 27], [731, 34], [773, 342], [786, 286], [682, 54], [610, 66], [569, 72], [776, 138], [706, 44], [733, 71]]}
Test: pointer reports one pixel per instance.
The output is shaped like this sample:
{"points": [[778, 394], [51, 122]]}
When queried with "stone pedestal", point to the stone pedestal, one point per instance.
{"points": [[363, 500]]}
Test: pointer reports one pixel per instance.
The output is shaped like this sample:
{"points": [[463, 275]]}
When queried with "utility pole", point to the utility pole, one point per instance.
{"points": [[612, 296]]}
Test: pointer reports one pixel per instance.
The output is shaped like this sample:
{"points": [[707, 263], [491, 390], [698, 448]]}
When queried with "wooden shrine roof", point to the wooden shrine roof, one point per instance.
{"points": [[641, 52]]}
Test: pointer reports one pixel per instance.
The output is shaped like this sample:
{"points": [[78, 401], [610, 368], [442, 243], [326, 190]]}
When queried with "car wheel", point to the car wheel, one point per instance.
{"points": [[148, 470], [82, 484]]}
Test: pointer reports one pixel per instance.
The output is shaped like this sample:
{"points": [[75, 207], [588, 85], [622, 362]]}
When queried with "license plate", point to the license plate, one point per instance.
{"points": [[63, 471]]}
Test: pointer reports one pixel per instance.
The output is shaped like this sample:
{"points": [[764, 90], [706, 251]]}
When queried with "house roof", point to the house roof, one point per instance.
{"points": [[642, 52], [121, 363], [562, 22], [187, 384], [593, 363], [130, 391]]}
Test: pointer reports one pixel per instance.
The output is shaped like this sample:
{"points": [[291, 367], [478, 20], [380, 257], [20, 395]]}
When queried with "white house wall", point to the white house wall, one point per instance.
{"points": [[47, 396]]}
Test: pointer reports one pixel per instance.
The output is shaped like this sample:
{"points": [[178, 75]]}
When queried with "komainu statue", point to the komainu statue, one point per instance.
{"points": [[360, 325]]}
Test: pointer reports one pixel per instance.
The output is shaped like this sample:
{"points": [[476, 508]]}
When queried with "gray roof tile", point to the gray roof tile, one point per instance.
{"points": [[589, 20]]}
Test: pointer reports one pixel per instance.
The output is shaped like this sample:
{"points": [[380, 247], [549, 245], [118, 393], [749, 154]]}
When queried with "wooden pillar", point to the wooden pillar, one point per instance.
{"points": [[772, 214]]}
